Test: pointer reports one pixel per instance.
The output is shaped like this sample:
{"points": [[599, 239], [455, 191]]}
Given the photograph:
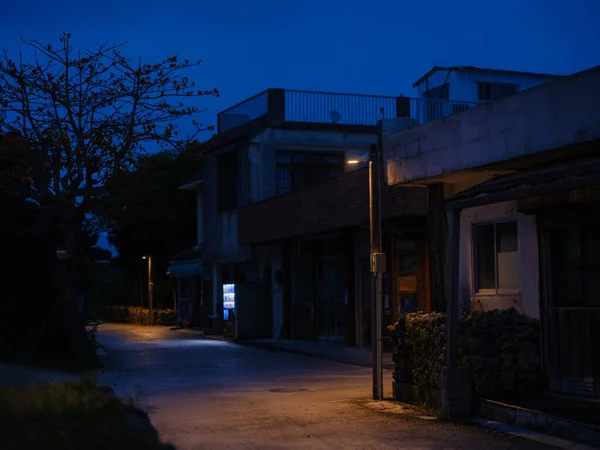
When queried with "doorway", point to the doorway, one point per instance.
{"points": [[331, 310], [406, 256], [571, 288]]}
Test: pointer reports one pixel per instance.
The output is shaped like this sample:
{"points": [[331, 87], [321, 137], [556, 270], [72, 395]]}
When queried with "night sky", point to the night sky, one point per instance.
{"points": [[373, 47]]}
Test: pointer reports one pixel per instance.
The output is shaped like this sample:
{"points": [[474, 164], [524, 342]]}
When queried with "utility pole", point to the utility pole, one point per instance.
{"points": [[150, 290], [378, 266]]}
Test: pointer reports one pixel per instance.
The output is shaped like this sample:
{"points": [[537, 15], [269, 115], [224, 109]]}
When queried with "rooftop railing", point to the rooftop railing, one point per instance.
{"points": [[281, 105]]}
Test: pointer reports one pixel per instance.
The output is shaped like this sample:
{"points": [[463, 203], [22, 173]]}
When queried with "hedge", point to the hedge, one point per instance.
{"points": [[501, 348], [140, 316]]}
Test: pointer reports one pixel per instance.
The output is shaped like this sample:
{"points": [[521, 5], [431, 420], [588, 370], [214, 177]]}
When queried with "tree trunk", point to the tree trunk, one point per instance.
{"points": [[67, 338]]}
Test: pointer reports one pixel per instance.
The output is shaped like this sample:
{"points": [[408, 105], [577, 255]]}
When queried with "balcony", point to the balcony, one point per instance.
{"points": [[281, 105]]}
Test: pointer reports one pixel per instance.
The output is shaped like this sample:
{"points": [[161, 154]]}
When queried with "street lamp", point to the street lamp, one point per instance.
{"points": [[150, 289], [378, 265]]}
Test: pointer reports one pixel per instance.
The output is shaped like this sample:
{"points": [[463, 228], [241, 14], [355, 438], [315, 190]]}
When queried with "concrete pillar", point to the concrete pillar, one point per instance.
{"points": [[216, 280], [200, 216], [456, 394]]}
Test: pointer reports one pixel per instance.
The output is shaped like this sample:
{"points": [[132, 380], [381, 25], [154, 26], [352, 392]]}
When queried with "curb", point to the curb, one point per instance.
{"points": [[531, 435], [277, 348]]}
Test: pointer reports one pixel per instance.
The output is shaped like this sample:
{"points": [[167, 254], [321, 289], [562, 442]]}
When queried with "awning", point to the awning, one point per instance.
{"points": [[565, 176], [184, 269]]}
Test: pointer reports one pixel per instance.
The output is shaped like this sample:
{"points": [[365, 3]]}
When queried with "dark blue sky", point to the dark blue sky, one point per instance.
{"points": [[376, 47]]}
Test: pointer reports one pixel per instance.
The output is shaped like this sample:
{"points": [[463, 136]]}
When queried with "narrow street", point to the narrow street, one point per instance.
{"points": [[208, 394]]}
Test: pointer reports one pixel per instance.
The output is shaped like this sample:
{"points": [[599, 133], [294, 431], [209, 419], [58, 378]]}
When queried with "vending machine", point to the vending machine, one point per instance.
{"points": [[246, 309], [229, 312]]}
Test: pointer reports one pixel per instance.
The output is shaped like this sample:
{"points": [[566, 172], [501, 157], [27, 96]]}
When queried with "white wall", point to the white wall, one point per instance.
{"points": [[527, 299], [228, 236], [558, 114], [262, 153], [463, 83]]}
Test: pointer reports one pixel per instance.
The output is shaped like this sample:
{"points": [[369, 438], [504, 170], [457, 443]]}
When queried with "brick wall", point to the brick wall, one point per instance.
{"points": [[334, 204]]}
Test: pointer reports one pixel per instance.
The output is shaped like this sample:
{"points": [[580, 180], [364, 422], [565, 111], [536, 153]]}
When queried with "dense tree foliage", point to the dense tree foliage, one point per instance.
{"points": [[81, 119], [146, 214]]}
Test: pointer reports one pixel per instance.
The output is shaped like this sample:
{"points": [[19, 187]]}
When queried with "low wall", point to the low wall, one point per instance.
{"points": [[140, 316]]}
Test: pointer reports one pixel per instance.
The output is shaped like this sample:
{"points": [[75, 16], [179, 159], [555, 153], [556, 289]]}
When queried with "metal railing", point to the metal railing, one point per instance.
{"points": [[345, 109], [335, 108], [424, 110], [250, 109]]}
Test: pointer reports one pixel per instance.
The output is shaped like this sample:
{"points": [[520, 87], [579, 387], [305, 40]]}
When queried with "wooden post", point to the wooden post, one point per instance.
{"points": [[438, 235]]}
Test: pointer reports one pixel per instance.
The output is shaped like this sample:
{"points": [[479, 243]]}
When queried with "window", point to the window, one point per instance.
{"points": [[227, 179], [297, 169], [495, 91], [496, 256], [575, 266]]}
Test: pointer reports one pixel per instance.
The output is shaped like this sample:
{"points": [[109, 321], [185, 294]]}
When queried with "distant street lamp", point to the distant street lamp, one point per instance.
{"points": [[378, 265], [150, 289]]}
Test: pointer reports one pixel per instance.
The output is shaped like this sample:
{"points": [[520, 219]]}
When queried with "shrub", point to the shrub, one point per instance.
{"points": [[500, 347], [140, 316]]}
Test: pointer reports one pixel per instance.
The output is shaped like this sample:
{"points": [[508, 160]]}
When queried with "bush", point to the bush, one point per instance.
{"points": [[140, 316], [78, 415], [500, 347]]}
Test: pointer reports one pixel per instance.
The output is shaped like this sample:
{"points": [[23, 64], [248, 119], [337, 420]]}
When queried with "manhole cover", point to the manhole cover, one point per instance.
{"points": [[289, 390]]}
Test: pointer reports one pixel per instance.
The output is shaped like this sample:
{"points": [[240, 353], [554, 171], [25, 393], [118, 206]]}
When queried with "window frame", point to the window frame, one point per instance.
{"points": [[291, 165], [476, 291], [494, 83]]}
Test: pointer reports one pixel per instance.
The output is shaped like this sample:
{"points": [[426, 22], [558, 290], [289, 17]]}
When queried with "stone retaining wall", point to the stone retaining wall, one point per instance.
{"points": [[501, 348]]}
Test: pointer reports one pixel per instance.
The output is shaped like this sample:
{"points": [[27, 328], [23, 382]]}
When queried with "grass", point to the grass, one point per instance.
{"points": [[71, 416]]}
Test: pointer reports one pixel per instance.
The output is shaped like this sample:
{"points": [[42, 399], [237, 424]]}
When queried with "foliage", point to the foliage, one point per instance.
{"points": [[72, 416], [147, 214], [89, 114], [77, 119], [501, 348], [140, 316]]}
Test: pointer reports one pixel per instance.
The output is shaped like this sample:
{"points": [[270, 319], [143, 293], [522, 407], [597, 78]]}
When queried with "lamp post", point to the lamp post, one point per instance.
{"points": [[378, 266], [150, 289]]}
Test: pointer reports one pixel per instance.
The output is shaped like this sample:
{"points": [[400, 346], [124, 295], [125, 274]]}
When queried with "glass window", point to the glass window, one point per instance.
{"points": [[496, 256], [297, 169]]}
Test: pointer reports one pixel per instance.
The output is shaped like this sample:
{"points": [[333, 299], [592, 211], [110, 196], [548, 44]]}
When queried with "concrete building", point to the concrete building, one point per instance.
{"points": [[276, 200], [520, 178]]}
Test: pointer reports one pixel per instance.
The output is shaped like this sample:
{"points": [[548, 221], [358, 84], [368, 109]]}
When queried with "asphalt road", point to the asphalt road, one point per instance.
{"points": [[208, 394]]}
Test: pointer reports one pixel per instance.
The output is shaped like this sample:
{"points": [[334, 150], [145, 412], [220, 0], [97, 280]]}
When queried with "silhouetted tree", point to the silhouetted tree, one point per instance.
{"points": [[87, 115], [146, 213]]}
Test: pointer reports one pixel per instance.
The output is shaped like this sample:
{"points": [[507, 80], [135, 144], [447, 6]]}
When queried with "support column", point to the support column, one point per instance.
{"points": [[438, 235], [216, 278], [456, 395]]}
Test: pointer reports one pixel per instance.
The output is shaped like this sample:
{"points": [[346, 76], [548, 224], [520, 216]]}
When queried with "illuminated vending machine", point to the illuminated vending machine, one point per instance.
{"points": [[229, 311], [246, 312]]}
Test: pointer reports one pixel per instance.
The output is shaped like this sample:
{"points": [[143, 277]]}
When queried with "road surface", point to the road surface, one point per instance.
{"points": [[208, 394]]}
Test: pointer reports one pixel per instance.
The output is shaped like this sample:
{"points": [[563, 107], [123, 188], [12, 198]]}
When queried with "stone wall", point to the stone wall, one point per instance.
{"points": [[139, 316], [501, 348]]}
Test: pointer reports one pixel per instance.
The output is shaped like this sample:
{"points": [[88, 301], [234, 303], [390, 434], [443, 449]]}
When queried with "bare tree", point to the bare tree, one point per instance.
{"points": [[88, 115]]}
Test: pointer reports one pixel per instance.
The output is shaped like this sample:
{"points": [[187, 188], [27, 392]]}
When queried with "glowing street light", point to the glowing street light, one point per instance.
{"points": [[378, 263]]}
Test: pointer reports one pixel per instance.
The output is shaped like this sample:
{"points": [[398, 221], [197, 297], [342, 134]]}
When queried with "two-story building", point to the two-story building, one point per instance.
{"points": [[279, 208], [519, 178]]}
